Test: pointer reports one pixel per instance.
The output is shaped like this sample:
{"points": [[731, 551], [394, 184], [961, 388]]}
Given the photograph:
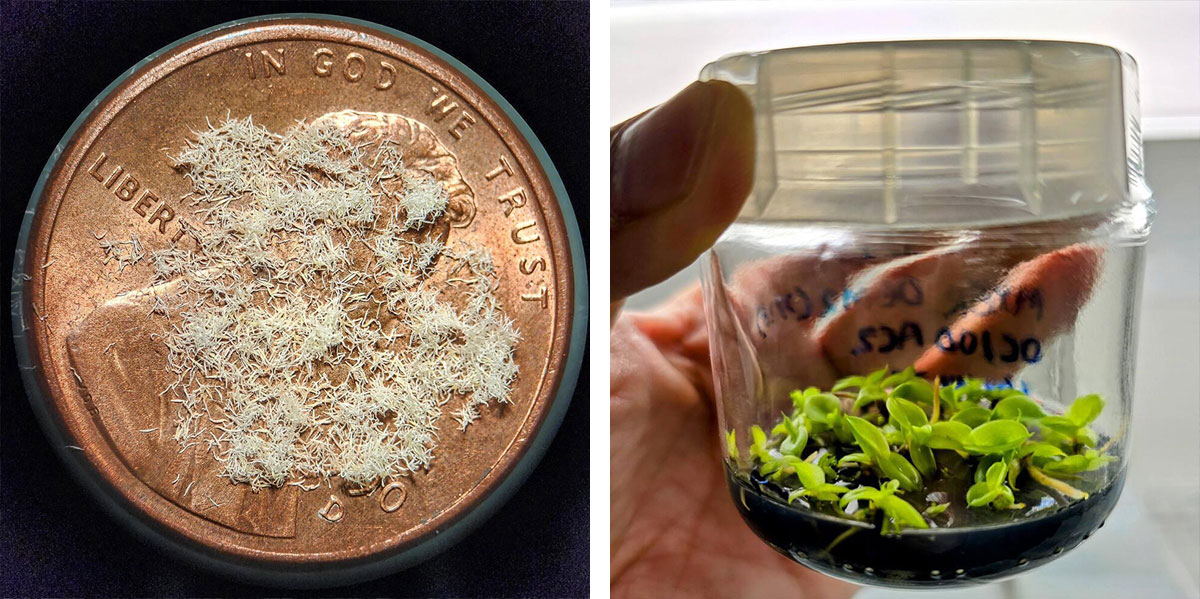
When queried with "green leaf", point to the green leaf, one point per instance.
{"points": [[781, 429], [995, 475], [1098, 459], [869, 438], [797, 398], [916, 390], [1004, 500], [1074, 464], [777, 465], [949, 434], [1060, 424], [997, 436], [906, 413], [758, 448], [848, 382], [922, 434], [901, 512], [865, 493], [731, 444], [875, 445], [972, 416], [824, 492], [868, 396], [905, 375], [893, 434], [935, 509], [841, 431], [1087, 436], [980, 494], [971, 391], [948, 399], [1040, 450], [922, 458], [855, 458], [1067, 465], [899, 469], [822, 407], [876, 377], [796, 440], [1057, 439], [810, 474], [826, 462], [757, 435], [1085, 409], [909, 415], [1018, 407], [783, 466], [1014, 471], [829, 492], [981, 468]]}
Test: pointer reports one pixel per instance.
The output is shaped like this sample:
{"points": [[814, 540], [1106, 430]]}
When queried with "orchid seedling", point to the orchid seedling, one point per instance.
{"points": [[909, 433]]}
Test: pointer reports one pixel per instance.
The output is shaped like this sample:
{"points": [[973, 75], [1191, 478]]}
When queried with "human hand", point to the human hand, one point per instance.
{"points": [[680, 174], [673, 528]]}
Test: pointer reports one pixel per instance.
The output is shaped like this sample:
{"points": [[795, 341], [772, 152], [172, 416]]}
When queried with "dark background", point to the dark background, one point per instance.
{"points": [[54, 539]]}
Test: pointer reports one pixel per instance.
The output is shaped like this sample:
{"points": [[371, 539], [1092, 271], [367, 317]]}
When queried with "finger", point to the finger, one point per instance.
{"points": [[765, 317], [1008, 328], [895, 311], [680, 319], [892, 312], [885, 319], [680, 174], [678, 328]]}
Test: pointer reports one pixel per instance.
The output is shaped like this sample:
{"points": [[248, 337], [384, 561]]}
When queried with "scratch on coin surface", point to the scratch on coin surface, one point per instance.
{"points": [[75, 447], [189, 487], [109, 346], [177, 477], [148, 430]]}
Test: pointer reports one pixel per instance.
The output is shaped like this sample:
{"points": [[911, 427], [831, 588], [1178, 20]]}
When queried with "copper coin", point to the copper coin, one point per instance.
{"points": [[91, 341]]}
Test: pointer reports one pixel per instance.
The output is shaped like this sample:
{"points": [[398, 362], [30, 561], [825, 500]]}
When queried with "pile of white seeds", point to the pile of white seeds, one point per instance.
{"points": [[321, 325]]}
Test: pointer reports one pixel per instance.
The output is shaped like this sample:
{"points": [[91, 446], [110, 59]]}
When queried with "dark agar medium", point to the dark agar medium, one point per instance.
{"points": [[987, 546], [346, 211], [999, 482]]}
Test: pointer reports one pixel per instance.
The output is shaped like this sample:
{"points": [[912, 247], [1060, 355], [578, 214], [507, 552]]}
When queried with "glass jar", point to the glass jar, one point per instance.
{"points": [[922, 323]]}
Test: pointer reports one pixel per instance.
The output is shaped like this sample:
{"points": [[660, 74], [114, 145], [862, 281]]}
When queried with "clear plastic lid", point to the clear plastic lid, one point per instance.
{"points": [[924, 133]]}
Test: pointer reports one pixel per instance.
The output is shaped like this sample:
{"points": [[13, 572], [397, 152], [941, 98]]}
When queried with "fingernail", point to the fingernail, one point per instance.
{"points": [[656, 158]]}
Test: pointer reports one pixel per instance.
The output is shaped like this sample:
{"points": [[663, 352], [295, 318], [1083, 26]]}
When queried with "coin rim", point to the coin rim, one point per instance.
{"points": [[307, 573]]}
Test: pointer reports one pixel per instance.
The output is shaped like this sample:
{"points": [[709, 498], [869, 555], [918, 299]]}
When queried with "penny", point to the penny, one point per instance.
{"points": [[91, 319]]}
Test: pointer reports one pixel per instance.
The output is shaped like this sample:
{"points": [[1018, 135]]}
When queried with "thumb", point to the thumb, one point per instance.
{"points": [[679, 176]]}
